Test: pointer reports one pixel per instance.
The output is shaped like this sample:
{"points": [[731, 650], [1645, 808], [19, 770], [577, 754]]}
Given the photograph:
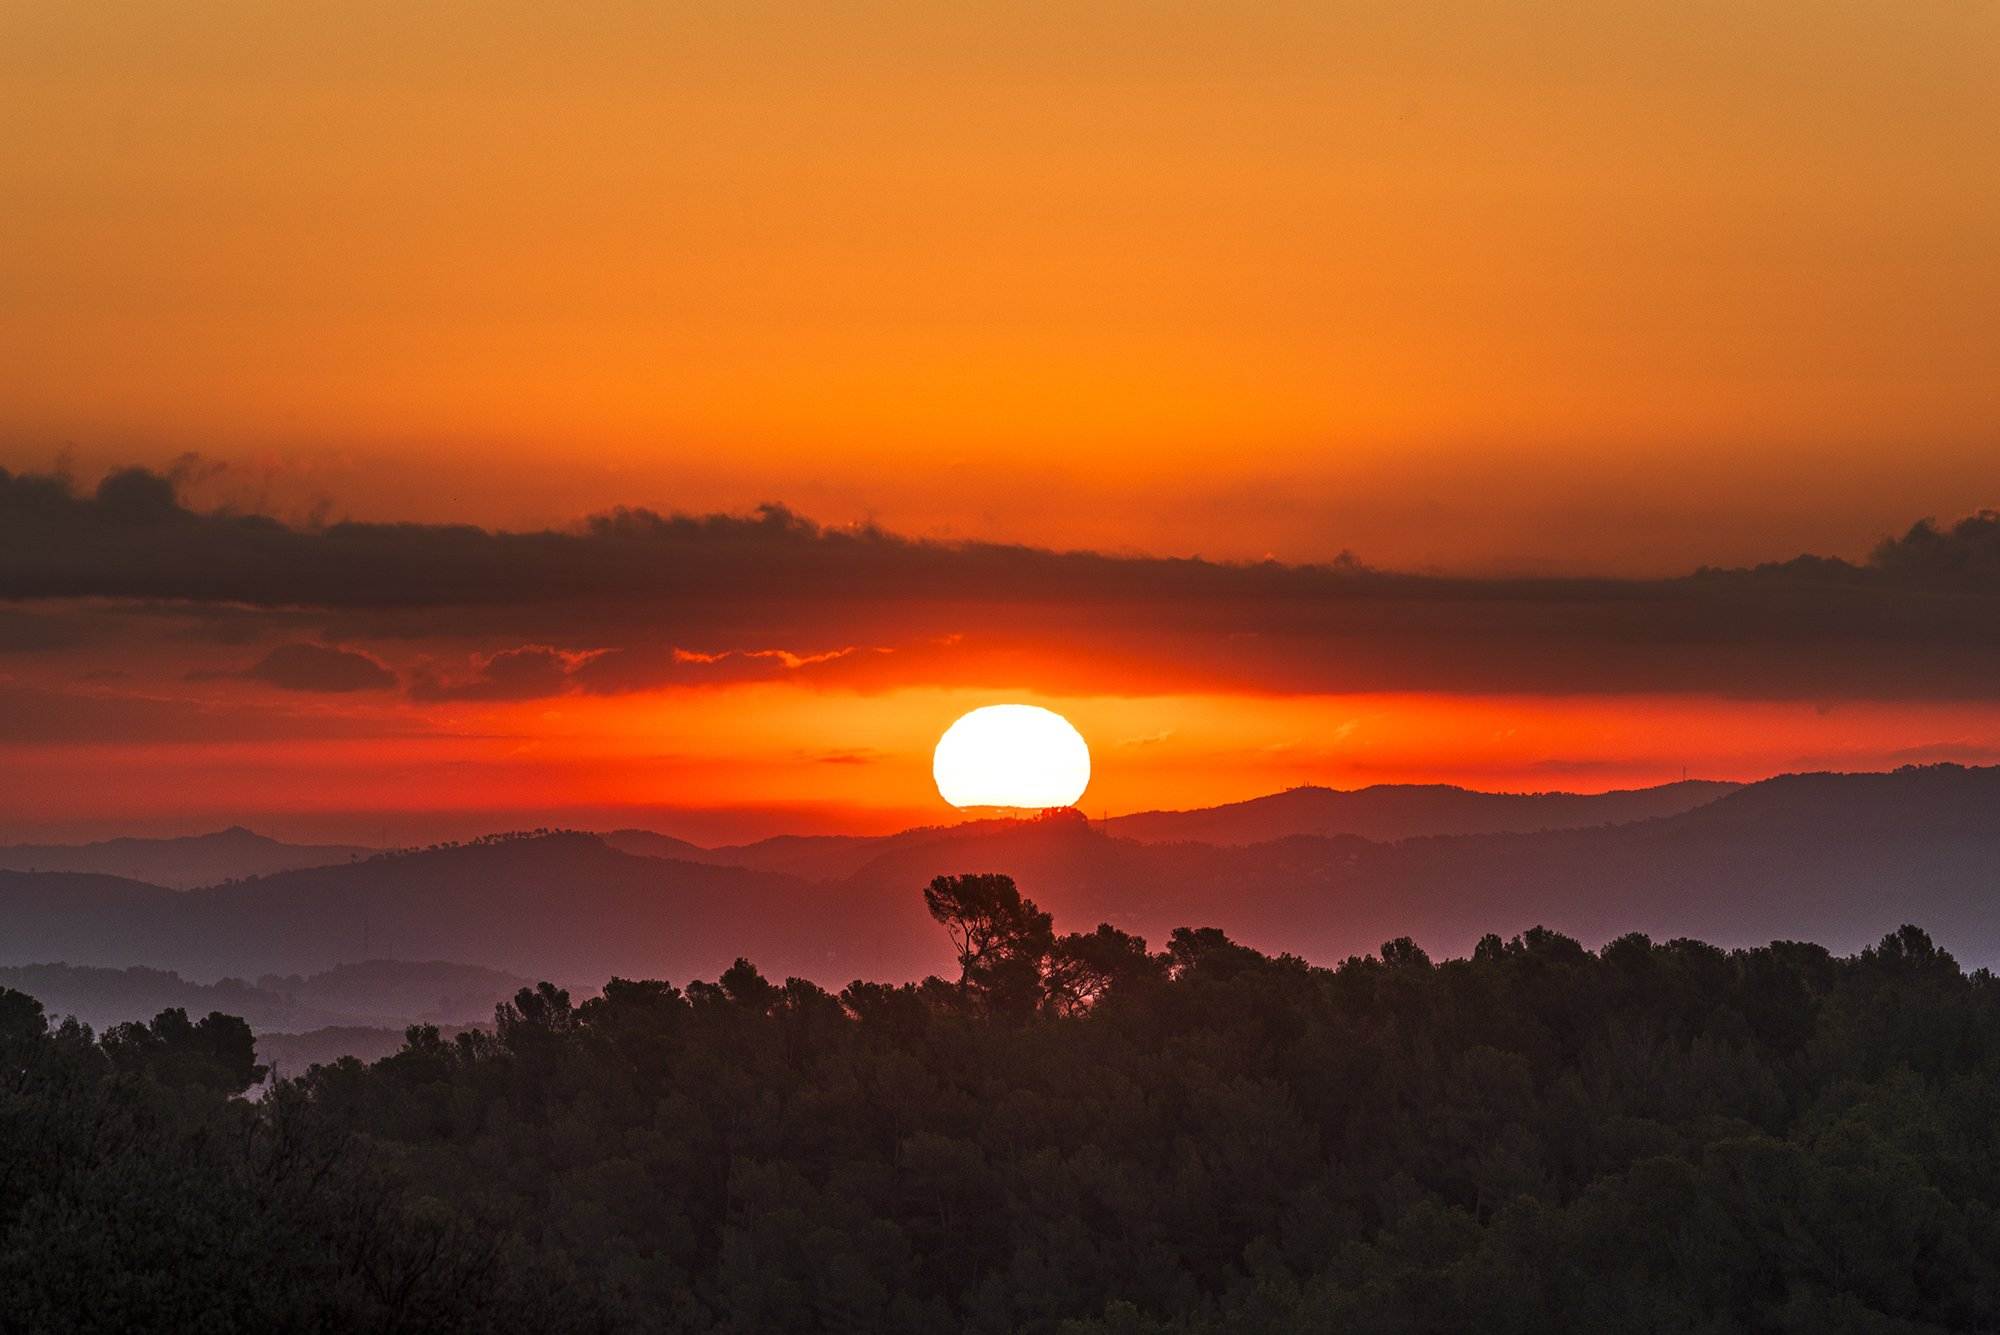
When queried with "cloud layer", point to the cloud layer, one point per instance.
{"points": [[316, 667], [633, 599]]}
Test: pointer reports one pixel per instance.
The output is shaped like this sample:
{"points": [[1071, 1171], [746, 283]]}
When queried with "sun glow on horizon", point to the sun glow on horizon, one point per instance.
{"points": [[1011, 756]]}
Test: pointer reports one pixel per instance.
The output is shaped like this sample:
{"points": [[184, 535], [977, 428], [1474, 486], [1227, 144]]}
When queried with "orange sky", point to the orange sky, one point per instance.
{"points": [[1593, 284], [736, 762], [1588, 287]]}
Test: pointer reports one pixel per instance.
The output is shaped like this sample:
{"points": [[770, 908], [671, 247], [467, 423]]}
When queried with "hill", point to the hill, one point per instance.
{"points": [[293, 1054], [180, 864], [564, 906], [1836, 858], [383, 994], [1388, 812], [1383, 813], [809, 857]]}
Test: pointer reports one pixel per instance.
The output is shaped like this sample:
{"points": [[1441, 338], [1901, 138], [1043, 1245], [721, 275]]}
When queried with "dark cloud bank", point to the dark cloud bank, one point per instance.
{"points": [[315, 667], [634, 599]]}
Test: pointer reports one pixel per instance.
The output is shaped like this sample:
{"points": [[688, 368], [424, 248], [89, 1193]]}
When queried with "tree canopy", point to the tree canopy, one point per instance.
{"points": [[1079, 1135]]}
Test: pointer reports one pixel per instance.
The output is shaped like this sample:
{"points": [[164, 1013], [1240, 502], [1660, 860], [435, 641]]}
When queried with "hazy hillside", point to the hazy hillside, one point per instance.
{"points": [[810, 857], [203, 859], [291, 1054], [1384, 812], [562, 906], [103, 997], [401, 992], [1402, 811], [378, 993], [1838, 859], [648, 844]]}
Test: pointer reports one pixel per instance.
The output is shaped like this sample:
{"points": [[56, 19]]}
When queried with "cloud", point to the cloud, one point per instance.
{"points": [[784, 658], [1966, 555], [668, 600], [28, 633], [535, 671], [527, 673], [315, 667], [645, 667], [858, 756], [32, 715]]}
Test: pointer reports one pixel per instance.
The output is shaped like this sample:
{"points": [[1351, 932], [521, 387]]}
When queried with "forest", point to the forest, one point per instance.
{"points": [[1079, 1135]]}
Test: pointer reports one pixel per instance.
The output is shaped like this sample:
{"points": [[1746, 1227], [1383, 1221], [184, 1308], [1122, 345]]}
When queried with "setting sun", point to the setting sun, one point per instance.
{"points": [[1492, 507], [1011, 756]]}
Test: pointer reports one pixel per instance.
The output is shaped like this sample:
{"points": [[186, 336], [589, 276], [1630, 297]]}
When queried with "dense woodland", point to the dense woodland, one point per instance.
{"points": [[1079, 1135]]}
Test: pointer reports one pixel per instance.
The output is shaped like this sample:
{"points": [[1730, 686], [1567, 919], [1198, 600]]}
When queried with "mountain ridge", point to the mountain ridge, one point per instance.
{"points": [[182, 862], [1379, 811], [1387, 812], [1836, 858]]}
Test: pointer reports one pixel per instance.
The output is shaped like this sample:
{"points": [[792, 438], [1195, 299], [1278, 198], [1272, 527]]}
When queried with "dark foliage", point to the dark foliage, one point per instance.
{"points": [[139, 1191], [1078, 1136]]}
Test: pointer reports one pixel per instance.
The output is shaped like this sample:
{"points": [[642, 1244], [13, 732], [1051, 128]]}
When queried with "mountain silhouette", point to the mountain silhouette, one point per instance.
{"points": [[1404, 811], [1839, 859], [180, 864], [811, 857], [1834, 858], [1382, 812], [381, 994], [564, 906]]}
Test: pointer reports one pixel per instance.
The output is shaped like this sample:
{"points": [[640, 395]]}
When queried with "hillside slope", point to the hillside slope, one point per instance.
{"points": [[1387, 812], [180, 864], [1838, 859]]}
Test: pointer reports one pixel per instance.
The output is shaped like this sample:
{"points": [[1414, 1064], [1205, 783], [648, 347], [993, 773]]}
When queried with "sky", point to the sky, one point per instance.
{"points": [[1402, 365]]}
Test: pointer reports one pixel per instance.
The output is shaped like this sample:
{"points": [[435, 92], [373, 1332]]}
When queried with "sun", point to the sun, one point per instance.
{"points": [[1011, 756]]}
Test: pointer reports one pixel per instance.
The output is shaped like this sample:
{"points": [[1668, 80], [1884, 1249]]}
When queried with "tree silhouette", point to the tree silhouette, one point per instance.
{"points": [[1084, 967], [216, 1052], [1078, 1137], [1001, 939]]}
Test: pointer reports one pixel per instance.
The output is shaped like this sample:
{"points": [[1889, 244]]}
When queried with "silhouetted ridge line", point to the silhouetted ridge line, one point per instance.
{"points": [[1385, 812], [182, 863], [1826, 856]]}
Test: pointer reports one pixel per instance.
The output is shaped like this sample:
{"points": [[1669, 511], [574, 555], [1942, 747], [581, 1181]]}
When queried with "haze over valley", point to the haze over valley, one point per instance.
{"points": [[1834, 858]]}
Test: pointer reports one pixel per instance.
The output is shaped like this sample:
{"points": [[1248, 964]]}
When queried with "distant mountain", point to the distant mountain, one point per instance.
{"points": [[647, 844], [809, 857], [1388, 812], [401, 992], [1834, 858], [389, 993], [179, 864], [562, 906], [1384, 812], [1838, 859], [292, 1054]]}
